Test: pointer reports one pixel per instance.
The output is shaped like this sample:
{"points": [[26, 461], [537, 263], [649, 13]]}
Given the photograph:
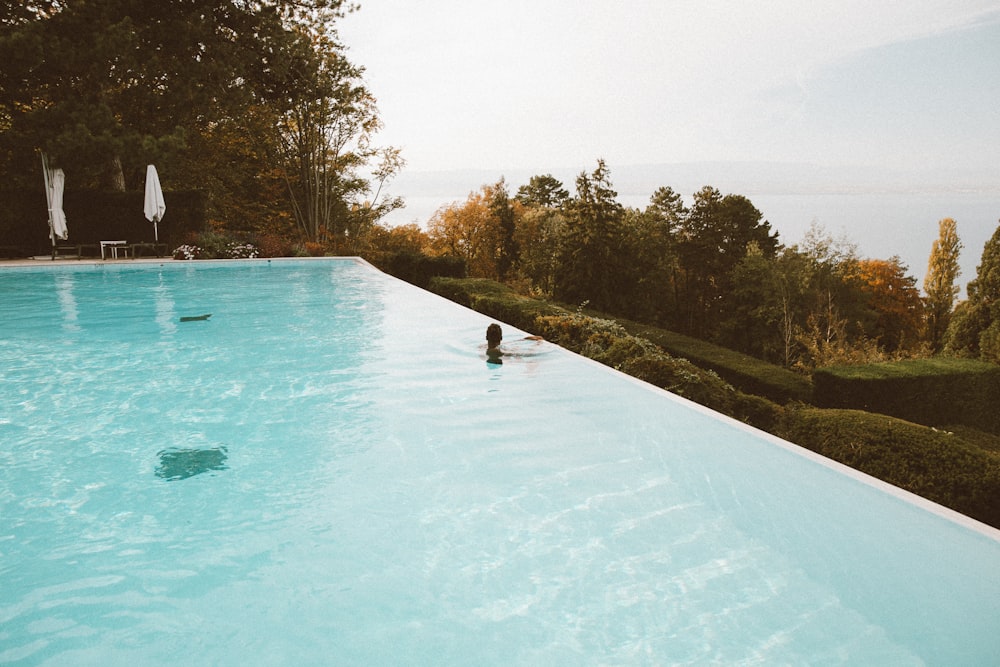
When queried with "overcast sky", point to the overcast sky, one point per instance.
{"points": [[558, 83]]}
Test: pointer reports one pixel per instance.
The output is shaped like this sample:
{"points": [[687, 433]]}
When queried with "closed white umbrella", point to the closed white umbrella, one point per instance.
{"points": [[55, 184], [154, 207]]}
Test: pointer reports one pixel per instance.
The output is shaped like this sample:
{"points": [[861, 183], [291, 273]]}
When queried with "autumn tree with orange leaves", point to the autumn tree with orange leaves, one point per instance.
{"points": [[476, 230], [894, 300]]}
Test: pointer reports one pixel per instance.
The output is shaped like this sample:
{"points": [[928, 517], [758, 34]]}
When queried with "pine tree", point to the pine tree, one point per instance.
{"points": [[939, 284]]}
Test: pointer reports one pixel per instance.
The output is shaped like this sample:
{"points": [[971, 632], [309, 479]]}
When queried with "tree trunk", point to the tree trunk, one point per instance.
{"points": [[116, 176]]}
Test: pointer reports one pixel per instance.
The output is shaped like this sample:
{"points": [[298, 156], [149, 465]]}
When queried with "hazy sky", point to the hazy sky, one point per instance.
{"points": [[559, 83]]}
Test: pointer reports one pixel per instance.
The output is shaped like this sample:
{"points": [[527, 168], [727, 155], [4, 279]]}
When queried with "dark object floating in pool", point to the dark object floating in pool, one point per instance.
{"points": [[196, 318], [183, 463]]}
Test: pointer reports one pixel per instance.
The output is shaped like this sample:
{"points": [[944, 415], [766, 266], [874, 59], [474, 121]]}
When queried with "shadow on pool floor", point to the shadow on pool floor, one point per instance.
{"points": [[177, 464]]}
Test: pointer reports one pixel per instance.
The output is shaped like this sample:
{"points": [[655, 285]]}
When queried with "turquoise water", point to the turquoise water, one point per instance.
{"points": [[327, 471]]}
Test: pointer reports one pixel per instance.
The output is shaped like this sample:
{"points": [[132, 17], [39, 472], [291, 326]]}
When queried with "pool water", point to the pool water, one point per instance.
{"points": [[328, 471]]}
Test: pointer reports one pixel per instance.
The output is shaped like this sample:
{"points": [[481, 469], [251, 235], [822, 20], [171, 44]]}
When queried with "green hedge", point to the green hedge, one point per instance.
{"points": [[496, 300], [96, 216], [418, 268], [935, 392], [747, 373], [937, 465]]}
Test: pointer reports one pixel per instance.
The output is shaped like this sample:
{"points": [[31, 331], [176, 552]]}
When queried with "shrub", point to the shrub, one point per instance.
{"points": [[241, 251], [934, 464], [213, 245], [418, 268], [741, 370], [273, 245], [187, 252], [935, 392], [682, 378], [314, 249]]}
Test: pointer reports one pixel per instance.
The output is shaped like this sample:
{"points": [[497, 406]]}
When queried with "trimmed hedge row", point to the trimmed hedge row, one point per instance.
{"points": [[939, 466], [743, 371], [96, 216], [935, 392], [418, 268], [496, 300]]}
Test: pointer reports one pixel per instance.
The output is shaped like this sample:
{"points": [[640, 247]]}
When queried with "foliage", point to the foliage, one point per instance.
{"points": [[273, 245], [204, 89], [609, 343], [480, 231], [408, 238], [715, 270], [974, 330], [326, 137], [212, 244], [215, 245], [502, 208], [935, 392], [936, 465], [544, 191], [712, 239], [894, 299], [590, 264], [538, 235], [939, 283], [966, 327], [187, 252], [648, 244], [745, 372], [825, 342], [418, 268]]}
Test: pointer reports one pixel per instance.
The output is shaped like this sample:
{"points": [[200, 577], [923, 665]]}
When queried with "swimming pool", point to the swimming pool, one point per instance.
{"points": [[327, 471]]}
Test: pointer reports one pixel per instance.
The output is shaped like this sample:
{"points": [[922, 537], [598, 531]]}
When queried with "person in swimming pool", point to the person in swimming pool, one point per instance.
{"points": [[494, 335]]}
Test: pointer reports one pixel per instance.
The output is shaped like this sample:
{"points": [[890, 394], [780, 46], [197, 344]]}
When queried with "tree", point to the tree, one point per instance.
{"points": [[105, 86], [824, 311], [545, 191], [755, 312], [712, 239], [589, 260], [326, 135], [939, 284], [647, 241], [202, 88], [470, 230], [974, 329], [408, 238], [667, 207], [893, 296], [539, 235], [502, 208]]}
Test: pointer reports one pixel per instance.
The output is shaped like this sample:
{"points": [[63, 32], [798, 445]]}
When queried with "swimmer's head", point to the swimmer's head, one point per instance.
{"points": [[493, 335]]}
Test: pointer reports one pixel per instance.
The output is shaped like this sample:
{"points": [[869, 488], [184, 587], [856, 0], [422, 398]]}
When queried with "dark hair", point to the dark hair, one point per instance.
{"points": [[493, 335]]}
